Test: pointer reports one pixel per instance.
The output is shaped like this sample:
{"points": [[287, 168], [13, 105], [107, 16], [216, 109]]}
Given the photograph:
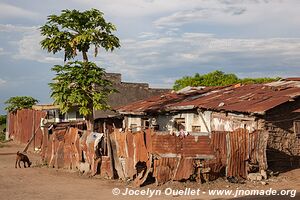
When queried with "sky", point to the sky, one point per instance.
{"points": [[161, 41]]}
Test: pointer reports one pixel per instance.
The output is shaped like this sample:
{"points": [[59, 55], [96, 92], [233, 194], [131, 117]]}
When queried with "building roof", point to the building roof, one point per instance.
{"points": [[45, 107], [252, 98], [292, 79], [162, 102]]}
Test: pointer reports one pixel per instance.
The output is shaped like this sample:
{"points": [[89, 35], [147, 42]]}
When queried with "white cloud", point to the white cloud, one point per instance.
{"points": [[10, 11], [144, 57], [2, 82], [161, 40], [151, 49], [239, 12], [16, 28], [200, 14], [148, 35], [29, 48], [134, 8]]}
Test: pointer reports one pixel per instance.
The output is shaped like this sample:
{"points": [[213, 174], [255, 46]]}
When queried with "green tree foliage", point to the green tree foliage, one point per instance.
{"points": [[2, 119], [216, 78], [19, 102], [80, 85], [74, 31]]}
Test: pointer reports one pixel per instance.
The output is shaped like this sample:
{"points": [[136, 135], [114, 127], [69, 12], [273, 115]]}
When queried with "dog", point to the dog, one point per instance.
{"points": [[22, 157]]}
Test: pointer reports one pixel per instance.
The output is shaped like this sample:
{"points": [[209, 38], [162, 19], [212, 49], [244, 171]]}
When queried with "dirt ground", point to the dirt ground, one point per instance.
{"points": [[44, 183]]}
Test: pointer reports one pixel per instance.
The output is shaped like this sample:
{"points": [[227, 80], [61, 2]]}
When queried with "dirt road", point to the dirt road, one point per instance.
{"points": [[44, 183]]}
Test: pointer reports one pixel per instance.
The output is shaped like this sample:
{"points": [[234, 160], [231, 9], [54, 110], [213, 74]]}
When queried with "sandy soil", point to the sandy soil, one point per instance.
{"points": [[45, 183]]}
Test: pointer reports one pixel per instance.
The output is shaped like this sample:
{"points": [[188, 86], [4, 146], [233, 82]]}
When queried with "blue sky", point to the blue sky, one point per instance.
{"points": [[161, 40]]}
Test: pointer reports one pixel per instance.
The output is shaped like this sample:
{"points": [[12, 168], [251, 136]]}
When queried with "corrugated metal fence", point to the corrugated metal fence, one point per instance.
{"points": [[22, 125]]}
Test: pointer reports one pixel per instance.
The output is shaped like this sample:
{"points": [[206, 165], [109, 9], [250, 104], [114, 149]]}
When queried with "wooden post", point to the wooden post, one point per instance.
{"points": [[105, 139], [109, 150], [32, 137]]}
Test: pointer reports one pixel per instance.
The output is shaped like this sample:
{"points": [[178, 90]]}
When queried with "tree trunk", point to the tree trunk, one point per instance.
{"points": [[90, 122], [89, 117], [84, 56]]}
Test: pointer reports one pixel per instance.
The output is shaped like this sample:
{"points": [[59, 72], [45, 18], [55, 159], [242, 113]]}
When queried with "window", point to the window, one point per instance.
{"points": [[297, 128], [78, 115], [50, 114], [62, 117], [133, 128], [145, 123], [179, 124], [196, 129]]}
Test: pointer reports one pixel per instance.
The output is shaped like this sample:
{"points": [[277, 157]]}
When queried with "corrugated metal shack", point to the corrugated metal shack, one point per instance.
{"points": [[233, 128], [196, 133]]}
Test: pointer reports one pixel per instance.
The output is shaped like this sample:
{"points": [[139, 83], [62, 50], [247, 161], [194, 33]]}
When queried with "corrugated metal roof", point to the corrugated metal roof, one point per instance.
{"points": [[252, 98], [292, 79], [161, 102]]}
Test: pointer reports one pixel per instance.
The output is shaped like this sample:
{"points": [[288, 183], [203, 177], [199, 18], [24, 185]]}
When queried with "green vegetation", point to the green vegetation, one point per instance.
{"points": [[2, 127], [79, 83], [216, 78], [19, 102], [74, 31], [2, 119]]}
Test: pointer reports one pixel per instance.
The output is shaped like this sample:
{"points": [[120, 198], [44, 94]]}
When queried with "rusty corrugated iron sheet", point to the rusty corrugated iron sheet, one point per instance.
{"points": [[252, 98], [167, 153], [175, 157], [68, 149], [167, 157], [255, 98], [172, 168], [292, 79], [235, 150], [23, 123], [161, 102], [164, 169], [189, 146]]}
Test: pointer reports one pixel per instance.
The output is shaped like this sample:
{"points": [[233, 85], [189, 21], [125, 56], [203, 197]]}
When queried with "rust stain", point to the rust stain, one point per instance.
{"points": [[189, 146]]}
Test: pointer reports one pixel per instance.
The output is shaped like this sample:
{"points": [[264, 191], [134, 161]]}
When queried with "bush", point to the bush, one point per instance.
{"points": [[2, 119]]}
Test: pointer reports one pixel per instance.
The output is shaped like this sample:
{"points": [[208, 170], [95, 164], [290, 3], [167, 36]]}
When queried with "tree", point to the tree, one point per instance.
{"points": [[216, 78], [73, 31], [19, 102]]}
